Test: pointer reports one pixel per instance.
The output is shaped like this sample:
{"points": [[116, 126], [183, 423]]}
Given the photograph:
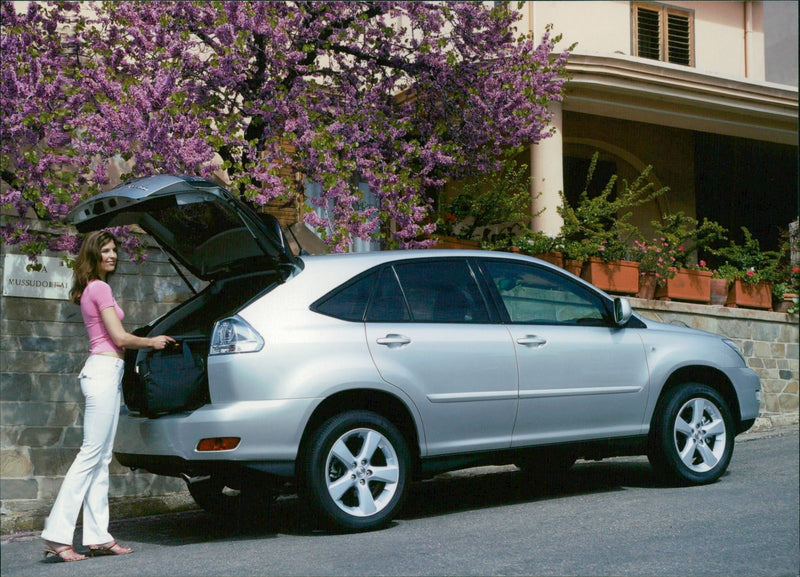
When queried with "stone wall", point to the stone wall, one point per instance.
{"points": [[43, 346], [768, 341]]}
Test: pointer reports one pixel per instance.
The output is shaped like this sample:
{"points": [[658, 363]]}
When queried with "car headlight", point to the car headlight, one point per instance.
{"points": [[234, 335], [732, 345]]}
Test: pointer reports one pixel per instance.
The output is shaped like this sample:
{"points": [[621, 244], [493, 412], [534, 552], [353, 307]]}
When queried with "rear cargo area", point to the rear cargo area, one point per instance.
{"points": [[162, 382]]}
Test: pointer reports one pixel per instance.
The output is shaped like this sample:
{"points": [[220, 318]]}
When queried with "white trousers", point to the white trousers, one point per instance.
{"points": [[86, 482]]}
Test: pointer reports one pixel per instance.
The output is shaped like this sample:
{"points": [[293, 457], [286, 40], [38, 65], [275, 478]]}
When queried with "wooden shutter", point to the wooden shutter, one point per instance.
{"points": [[663, 33], [648, 33], [679, 38]]}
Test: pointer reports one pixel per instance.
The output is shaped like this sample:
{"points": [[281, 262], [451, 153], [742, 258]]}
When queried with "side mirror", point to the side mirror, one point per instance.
{"points": [[622, 311]]}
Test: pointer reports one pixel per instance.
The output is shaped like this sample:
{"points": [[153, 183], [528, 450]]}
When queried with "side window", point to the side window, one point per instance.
{"points": [[533, 295], [348, 303], [387, 304], [442, 291]]}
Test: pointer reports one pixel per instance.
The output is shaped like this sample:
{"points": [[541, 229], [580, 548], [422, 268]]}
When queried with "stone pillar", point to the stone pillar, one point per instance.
{"points": [[547, 177]]}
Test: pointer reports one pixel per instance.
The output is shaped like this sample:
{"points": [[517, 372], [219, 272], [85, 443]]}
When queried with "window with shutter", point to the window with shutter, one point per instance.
{"points": [[663, 33]]}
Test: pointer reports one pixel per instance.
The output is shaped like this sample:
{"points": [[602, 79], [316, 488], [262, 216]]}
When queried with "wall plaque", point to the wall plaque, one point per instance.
{"points": [[52, 280]]}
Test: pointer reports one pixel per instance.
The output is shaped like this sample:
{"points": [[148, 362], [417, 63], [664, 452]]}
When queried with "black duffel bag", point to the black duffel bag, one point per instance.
{"points": [[173, 379]]}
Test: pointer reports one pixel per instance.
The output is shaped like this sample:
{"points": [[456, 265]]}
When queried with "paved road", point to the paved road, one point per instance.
{"points": [[607, 518]]}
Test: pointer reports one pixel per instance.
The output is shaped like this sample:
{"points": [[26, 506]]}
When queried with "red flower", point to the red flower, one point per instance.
{"points": [[751, 272]]}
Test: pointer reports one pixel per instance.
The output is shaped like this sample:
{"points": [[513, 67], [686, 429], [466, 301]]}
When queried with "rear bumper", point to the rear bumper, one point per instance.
{"points": [[270, 433], [177, 467]]}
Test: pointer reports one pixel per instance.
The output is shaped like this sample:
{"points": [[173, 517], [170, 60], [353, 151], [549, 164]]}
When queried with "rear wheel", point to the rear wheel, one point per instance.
{"points": [[356, 470], [692, 436]]}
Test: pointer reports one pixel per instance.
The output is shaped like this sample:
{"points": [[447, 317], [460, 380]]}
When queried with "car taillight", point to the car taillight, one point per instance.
{"points": [[234, 335]]}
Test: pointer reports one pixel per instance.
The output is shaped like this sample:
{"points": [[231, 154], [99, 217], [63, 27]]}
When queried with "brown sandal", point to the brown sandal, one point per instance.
{"points": [[109, 549], [59, 552]]}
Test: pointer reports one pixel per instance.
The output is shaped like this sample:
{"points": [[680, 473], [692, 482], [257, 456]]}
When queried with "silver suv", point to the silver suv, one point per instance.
{"points": [[345, 377]]}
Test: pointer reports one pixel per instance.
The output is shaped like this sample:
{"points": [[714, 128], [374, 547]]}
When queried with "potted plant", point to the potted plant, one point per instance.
{"points": [[751, 270], [597, 229], [574, 253], [656, 265], [489, 211], [682, 238], [786, 287], [540, 245], [719, 288], [785, 297]]}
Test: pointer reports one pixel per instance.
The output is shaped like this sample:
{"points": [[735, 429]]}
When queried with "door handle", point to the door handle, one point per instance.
{"points": [[532, 341], [393, 340]]}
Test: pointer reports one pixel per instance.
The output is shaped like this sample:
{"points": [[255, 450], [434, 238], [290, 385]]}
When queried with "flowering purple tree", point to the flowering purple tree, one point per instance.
{"points": [[400, 95]]}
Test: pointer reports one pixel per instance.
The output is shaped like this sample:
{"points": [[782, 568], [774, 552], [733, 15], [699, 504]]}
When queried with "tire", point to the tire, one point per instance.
{"points": [[355, 471], [231, 499], [692, 438]]}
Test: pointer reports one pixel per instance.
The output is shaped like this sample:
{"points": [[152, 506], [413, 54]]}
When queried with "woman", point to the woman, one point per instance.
{"points": [[86, 482]]}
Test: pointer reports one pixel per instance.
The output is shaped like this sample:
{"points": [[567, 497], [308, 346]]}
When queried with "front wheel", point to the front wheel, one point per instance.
{"points": [[692, 436], [356, 469]]}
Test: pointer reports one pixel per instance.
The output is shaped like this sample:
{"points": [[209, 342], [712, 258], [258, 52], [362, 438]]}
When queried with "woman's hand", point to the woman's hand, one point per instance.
{"points": [[160, 342], [125, 340]]}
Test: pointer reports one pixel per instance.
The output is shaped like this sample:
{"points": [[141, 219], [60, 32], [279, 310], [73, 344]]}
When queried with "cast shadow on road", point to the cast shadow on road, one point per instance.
{"points": [[442, 495]]}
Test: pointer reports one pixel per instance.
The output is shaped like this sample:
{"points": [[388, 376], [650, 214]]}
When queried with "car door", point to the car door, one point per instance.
{"points": [[581, 377], [431, 334]]}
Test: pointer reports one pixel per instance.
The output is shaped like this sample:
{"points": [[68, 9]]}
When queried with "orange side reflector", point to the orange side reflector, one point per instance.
{"points": [[218, 444]]}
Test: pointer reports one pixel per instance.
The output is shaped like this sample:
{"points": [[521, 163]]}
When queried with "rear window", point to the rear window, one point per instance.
{"points": [[443, 291], [349, 302], [208, 236], [427, 291]]}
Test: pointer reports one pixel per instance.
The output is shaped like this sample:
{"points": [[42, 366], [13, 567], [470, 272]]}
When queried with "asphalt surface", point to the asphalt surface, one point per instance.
{"points": [[606, 518]]}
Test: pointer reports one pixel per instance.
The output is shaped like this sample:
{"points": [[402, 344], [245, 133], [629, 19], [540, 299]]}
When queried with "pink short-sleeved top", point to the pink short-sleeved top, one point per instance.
{"points": [[98, 296]]}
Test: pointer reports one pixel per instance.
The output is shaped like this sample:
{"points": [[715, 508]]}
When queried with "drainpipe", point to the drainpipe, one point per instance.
{"points": [[748, 34]]}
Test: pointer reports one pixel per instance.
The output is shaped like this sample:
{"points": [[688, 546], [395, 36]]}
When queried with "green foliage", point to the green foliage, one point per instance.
{"points": [[534, 243], [656, 257], [497, 199], [748, 262], [683, 238], [600, 225], [787, 271]]}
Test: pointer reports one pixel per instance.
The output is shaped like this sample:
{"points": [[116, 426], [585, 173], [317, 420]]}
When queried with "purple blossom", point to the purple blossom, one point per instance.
{"points": [[402, 95]]}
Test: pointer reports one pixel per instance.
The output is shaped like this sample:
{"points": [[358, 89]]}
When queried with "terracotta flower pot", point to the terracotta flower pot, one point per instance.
{"points": [[619, 276], [552, 257], [786, 303], [687, 285], [573, 266], [452, 242], [719, 291], [647, 286], [753, 295]]}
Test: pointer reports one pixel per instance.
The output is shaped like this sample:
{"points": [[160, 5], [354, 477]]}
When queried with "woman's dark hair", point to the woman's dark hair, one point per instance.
{"points": [[88, 262]]}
